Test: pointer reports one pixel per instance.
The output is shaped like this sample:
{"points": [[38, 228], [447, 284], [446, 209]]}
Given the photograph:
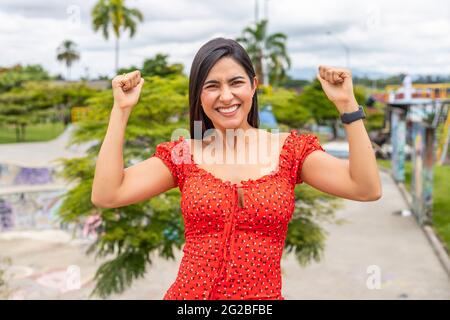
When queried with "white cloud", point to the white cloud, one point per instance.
{"points": [[387, 36]]}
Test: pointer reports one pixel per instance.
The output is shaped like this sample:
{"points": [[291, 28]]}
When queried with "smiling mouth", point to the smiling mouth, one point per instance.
{"points": [[228, 110]]}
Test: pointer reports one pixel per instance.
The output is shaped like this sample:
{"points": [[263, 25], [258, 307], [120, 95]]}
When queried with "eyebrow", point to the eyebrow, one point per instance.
{"points": [[230, 80]]}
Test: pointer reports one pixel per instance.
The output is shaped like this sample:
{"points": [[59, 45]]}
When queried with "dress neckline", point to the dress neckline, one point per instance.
{"points": [[244, 182]]}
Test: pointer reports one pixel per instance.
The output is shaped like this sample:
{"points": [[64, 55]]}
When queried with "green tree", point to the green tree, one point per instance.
{"points": [[286, 107], [132, 233], [389, 80], [114, 14], [305, 237], [14, 76], [68, 54], [297, 84], [323, 111], [40, 101], [375, 117], [157, 66], [262, 46]]}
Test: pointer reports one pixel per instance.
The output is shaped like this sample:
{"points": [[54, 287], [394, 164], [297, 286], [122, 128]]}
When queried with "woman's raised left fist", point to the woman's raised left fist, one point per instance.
{"points": [[337, 85]]}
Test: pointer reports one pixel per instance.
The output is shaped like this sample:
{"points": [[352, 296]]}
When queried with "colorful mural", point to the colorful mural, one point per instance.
{"points": [[26, 206], [13, 175], [29, 210], [398, 139], [422, 173]]}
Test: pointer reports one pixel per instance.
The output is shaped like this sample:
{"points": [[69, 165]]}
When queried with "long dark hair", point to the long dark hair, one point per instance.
{"points": [[204, 60]]}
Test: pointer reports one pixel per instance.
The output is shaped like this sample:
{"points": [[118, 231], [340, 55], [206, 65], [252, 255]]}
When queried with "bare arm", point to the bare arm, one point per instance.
{"points": [[114, 186], [358, 177]]}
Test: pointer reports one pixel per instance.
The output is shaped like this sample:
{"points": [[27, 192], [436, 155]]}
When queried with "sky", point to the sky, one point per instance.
{"points": [[382, 36]]}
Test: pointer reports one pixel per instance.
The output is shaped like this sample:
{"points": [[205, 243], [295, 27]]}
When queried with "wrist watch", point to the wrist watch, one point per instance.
{"points": [[353, 116]]}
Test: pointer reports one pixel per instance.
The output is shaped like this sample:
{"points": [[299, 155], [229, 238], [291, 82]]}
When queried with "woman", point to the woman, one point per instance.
{"points": [[236, 214]]}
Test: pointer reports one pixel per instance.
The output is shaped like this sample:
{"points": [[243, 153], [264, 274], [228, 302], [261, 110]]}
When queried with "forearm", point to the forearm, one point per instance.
{"points": [[362, 161], [109, 169]]}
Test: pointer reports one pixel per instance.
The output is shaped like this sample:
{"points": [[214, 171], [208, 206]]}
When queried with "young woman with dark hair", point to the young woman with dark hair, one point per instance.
{"points": [[236, 213]]}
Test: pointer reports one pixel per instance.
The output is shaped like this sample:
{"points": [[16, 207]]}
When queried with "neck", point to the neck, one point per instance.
{"points": [[231, 140]]}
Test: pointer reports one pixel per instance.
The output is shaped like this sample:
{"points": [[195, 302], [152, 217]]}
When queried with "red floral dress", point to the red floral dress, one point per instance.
{"points": [[233, 251]]}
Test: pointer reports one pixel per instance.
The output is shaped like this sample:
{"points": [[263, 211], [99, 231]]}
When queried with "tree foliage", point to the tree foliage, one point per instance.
{"points": [[34, 102], [132, 233], [261, 47], [67, 52], [113, 14], [14, 76], [306, 237], [286, 107], [156, 66], [323, 111]]}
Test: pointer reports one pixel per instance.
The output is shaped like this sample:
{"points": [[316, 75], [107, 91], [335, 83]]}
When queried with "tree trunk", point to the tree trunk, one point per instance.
{"points": [[17, 132], [117, 55], [266, 72], [336, 128], [24, 126], [259, 68], [20, 132]]}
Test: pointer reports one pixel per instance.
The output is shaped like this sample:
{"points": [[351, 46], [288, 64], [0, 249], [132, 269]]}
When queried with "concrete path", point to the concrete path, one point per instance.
{"points": [[373, 239]]}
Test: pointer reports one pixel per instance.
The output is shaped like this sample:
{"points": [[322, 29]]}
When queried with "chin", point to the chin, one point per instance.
{"points": [[229, 124]]}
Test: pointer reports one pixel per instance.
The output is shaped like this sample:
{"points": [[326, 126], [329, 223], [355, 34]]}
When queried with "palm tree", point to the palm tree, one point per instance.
{"points": [[113, 13], [278, 65], [263, 47], [68, 54]]}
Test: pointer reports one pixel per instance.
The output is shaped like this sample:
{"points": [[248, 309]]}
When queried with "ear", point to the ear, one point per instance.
{"points": [[255, 84]]}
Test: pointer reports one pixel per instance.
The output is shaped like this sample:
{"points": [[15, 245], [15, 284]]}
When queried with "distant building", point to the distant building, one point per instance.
{"points": [[435, 91]]}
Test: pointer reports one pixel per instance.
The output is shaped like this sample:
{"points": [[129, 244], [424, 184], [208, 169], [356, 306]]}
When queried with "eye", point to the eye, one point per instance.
{"points": [[236, 82]]}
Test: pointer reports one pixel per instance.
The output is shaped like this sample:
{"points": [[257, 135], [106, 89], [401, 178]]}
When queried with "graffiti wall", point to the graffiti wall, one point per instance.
{"points": [[27, 210], [31, 210], [422, 175], [37, 209], [398, 139], [13, 175]]}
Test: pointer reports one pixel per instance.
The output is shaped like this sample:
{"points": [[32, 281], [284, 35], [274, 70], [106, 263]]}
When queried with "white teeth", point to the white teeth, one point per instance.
{"points": [[229, 109]]}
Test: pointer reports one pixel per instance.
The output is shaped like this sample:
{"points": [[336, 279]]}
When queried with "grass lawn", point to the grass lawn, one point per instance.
{"points": [[35, 132], [441, 199]]}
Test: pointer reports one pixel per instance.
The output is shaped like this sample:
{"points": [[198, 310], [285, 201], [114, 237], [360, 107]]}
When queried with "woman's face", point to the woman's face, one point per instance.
{"points": [[227, 95]]}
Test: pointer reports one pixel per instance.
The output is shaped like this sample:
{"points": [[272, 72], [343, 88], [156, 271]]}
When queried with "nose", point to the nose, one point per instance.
{"points": [[226, 95]]}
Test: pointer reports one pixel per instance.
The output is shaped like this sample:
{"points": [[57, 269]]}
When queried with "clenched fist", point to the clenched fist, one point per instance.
{"points": [[338, 86], [127, 88]]}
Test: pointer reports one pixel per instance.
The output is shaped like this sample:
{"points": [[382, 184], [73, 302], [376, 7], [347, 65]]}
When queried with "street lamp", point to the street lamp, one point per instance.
{"points": [[265, 62], [346, 49], [266, 10]]}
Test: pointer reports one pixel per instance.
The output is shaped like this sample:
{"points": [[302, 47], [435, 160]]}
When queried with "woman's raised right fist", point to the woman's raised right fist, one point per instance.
{"points": [[127, 88]]}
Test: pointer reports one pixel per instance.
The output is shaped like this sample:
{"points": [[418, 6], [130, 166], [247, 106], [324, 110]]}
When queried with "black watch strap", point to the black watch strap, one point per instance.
{"points": [[353, 116]]}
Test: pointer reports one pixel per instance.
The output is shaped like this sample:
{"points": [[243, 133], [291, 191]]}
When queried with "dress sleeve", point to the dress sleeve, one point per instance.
{"points": [[305, 144], [172, 153]]}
